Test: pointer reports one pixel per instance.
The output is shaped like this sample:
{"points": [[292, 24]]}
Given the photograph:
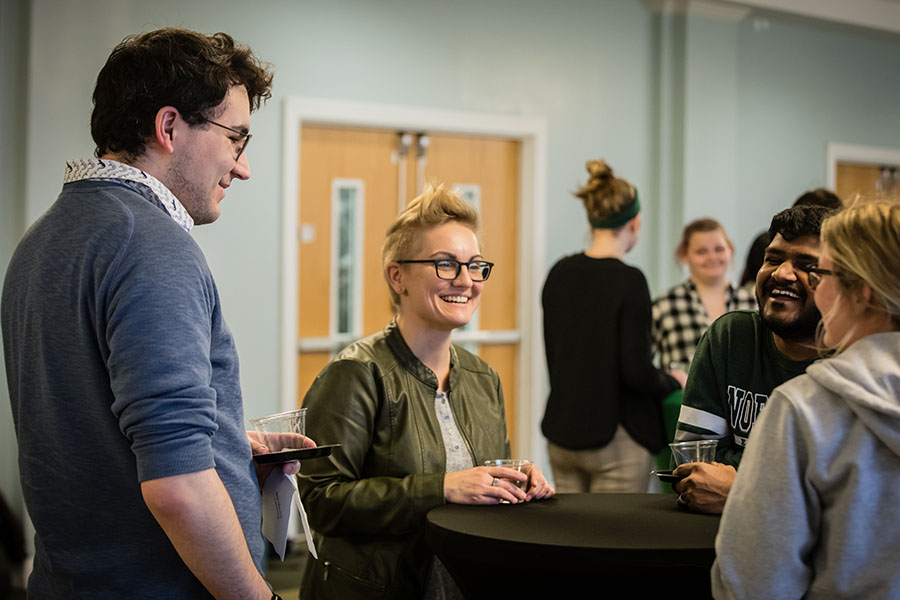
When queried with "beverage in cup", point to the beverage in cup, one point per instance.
{"points": [[522, 466]]}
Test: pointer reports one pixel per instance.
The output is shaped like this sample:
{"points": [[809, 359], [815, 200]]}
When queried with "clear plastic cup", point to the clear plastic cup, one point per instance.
{"points": [[693, 451], [278, 431], [520, 465]]}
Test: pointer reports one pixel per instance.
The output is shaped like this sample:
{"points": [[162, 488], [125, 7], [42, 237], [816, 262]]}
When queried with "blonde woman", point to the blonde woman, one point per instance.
{"points": [[682, 314], [415, 414], [603, 420], [812, 512]]}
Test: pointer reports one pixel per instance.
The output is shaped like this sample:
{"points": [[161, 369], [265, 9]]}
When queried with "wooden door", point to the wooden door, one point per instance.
{"points": [[333, 160], [866, 180], [353, 182], [486, 171]]}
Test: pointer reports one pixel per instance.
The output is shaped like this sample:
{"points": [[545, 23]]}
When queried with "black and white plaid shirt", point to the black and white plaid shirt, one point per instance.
{"points": [[679, 320]]}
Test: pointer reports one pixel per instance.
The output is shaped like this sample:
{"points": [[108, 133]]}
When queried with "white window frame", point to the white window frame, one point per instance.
{"points": [[357, 301], [853, 153]]}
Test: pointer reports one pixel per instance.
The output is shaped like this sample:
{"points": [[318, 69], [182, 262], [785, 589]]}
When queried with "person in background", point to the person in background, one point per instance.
{"points": [[416, 415], [812, 510], [744, 355], [123, 376], [755, 255], [603, 420], [682, 314]]}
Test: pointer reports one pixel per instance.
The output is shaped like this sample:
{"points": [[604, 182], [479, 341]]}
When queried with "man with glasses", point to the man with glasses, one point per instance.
{"points": [[123, 376], [744, 355]]}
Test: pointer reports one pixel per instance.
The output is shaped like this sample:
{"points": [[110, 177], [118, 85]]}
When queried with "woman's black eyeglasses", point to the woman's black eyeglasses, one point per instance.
{"points": [[814, 276], [449, 268]]}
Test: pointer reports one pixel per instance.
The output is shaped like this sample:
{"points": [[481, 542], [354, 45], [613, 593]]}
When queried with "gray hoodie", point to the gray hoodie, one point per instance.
{"points": [[815, 509]]}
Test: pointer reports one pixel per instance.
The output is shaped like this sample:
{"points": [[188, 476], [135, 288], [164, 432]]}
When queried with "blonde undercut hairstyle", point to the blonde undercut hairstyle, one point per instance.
{"points": [[435, 206], [604, 194], [864, 242]]}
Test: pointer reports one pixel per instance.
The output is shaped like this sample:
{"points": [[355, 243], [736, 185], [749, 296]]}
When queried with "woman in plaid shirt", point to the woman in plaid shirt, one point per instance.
{"points": [[682, 314]]}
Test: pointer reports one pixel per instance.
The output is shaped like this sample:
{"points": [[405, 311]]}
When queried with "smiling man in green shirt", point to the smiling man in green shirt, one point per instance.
{"points": [[746, 354]]}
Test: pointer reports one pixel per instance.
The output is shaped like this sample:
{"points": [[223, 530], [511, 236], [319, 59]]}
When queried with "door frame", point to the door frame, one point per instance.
{"points": [[530, 131], [836, 152]]}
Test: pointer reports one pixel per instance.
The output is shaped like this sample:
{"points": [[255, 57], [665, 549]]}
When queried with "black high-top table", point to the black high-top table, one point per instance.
{"points": [[605, 543]]}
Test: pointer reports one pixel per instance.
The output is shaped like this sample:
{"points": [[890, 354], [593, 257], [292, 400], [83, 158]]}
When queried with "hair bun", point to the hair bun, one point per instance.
{"points": [[598, 169]]}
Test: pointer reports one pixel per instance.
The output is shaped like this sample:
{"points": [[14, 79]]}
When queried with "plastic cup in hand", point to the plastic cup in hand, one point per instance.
{"points": [[694, 451], [522, 466], [278, 431]]}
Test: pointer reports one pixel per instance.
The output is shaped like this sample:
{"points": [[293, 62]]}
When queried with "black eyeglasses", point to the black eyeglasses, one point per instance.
{"points": [[449, 268], [240, 143], [814, 276]]}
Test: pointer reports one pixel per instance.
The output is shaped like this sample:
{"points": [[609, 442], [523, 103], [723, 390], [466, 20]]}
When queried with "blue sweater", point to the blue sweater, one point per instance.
{"points": [[121, 370]]}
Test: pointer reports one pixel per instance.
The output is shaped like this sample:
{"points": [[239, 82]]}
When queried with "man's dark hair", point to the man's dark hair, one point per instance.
{"points": [[820, 197], [169, 67], [799, 221]]}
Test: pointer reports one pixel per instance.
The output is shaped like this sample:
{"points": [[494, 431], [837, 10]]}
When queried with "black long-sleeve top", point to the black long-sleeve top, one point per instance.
{"points": [[597, 339]]}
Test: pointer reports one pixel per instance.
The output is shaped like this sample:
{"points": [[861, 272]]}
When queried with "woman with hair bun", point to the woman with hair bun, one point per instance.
{"points": [[682, 314], [812, 513], [603, 420]]}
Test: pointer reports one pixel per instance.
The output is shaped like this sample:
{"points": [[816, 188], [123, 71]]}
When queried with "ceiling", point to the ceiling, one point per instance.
{"points": [[880, 15]]}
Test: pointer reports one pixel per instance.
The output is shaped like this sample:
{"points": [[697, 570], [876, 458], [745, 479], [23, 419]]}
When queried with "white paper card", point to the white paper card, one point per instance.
{"points": [[278, 494], [306, 532]]}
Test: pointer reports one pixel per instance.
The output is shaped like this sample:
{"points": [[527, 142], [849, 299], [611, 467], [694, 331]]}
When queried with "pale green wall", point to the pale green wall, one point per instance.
{"points": [[664, 99], [800, 87], [13, 63], [584, 66]]}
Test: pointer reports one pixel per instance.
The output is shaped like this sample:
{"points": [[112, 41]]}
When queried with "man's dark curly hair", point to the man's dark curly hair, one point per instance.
{"points": [[799, 221], [169, 67], [820, 197]]}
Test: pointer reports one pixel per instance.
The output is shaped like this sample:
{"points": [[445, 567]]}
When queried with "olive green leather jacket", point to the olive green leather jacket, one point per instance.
{"points": [[368, 501]]}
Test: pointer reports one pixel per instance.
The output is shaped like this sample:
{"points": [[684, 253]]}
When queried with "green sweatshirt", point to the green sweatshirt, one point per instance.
{"points": [[734, 370]]}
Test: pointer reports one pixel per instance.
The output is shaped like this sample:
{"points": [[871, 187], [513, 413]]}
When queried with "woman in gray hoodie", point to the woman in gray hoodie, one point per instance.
{"points": [[814, 508]]}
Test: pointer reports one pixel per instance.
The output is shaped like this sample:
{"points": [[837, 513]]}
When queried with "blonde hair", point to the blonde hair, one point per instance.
{"points": [[604, 194], [435, 206], [864, 243]]}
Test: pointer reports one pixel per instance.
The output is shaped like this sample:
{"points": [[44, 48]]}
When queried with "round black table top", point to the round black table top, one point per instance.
{"points": [[577, 533]]}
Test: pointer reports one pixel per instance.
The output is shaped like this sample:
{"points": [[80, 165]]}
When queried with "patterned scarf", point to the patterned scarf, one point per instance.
{"points": [[141, 183]]}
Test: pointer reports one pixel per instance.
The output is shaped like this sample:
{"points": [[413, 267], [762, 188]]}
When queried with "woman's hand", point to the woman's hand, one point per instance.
{"points": [[539, 489], [282, 440], [484, 485]]}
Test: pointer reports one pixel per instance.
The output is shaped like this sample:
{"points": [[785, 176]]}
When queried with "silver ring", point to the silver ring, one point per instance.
{"points": [[495, 482]]}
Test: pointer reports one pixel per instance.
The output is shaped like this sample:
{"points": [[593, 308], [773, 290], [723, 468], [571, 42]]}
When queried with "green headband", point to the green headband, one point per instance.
{"points": [[620, 218]]}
